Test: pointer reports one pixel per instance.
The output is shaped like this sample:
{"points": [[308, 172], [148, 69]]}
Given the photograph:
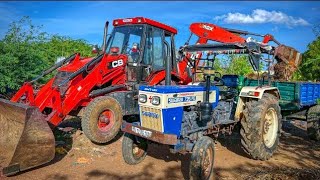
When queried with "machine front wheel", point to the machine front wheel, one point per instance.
{"points": [[134, 149], [202, 159], [102, 119]]}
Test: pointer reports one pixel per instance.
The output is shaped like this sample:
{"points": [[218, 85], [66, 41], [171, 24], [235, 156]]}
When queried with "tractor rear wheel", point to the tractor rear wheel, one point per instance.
{"points": [[102, 119], [313, 122], [134, 149], [202, 159], [261, 126]]}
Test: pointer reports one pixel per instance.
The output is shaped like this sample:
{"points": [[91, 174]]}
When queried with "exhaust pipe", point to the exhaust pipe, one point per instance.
{"points": [[105, 33], [168, 65]]}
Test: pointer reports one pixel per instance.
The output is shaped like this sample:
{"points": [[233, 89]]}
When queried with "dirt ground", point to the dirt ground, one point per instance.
{"points": [[78, 158]]}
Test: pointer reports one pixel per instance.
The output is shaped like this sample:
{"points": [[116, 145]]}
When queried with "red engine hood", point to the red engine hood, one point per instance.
{"points": [[77, 64]]}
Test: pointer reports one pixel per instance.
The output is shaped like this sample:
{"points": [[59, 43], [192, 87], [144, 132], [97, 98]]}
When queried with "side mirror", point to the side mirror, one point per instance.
{"points": [[95, 49]]}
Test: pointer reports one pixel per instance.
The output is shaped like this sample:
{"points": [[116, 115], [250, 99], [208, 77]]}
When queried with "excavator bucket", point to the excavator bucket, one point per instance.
{"points": [[26, 140]]}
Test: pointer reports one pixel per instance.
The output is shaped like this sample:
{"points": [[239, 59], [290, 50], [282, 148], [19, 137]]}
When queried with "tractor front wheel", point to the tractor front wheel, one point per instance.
{"points": [[313, 122], [202, 159], [261, 126], [102, 119], [134, 149]]}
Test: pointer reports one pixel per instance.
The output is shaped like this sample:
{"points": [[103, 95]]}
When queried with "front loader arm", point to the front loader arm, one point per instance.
{"points": [[205, 32], [80, 87], [25, 91], [287, 57]]}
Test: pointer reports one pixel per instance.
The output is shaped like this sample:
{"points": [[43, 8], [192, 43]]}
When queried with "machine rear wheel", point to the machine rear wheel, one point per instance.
{"points": [[261, 126], [202, 159], [313, 122], [102, 119], [133, 150]]}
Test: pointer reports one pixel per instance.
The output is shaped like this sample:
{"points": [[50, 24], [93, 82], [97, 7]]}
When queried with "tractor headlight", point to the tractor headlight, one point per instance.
{"points": [[142, 98], [155, 100], [253, 93]]}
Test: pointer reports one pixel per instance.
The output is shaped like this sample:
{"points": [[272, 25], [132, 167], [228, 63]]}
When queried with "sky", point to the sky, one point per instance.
{"points": [[290, 22]]}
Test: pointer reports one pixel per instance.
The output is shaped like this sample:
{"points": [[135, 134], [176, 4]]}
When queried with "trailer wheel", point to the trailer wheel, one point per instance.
{"points": [[133, 150], [102, 119], [261, 124], [202, 159], [313, 122]]}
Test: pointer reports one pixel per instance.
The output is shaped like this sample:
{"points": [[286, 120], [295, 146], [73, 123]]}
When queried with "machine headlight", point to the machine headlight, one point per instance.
{"points": [[155, 100], [253, 93], [142, 98]]}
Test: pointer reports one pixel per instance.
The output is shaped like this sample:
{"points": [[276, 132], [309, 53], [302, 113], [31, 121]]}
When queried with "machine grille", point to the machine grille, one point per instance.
{"points": [[151, 118]]}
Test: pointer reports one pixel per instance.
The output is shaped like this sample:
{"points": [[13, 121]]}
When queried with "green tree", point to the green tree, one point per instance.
{"points": [[309, 69], [26, 51], [20, 59], [310, 65], [236, 64], [62, 46]]}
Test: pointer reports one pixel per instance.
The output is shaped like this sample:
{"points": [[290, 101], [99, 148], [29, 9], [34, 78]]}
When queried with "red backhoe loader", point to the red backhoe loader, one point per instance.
{"points": [[104, 88]]}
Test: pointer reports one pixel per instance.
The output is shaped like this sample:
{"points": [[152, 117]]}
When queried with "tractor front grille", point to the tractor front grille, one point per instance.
{"points": [[151, 118]]}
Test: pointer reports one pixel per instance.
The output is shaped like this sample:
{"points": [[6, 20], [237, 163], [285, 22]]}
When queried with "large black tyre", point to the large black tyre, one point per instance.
{"points": [[260, 127], [202, 159], [313, 122], [102, 119], [133, 151]]}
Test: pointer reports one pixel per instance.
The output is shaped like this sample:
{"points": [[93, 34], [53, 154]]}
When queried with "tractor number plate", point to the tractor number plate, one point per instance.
{"points": [[144, 133]]}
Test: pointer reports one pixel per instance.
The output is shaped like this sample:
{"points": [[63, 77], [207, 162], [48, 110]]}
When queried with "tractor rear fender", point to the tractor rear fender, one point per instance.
{"points": [[248, 93], [127, 100]]}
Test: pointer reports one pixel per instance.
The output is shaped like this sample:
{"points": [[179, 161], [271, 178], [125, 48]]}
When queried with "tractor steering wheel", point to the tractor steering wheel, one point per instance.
{"points": [[219, 80]]}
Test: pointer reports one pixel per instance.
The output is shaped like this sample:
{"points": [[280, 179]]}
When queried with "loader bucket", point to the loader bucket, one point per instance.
{"points": [[26, 140], [288, 61]]}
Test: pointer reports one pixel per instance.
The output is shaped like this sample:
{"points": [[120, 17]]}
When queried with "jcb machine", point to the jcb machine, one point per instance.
{"points": [[182, 116], [102, 89]]}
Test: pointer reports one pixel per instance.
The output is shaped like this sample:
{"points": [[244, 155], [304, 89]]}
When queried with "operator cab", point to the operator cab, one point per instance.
{"points": [[145, 42]]}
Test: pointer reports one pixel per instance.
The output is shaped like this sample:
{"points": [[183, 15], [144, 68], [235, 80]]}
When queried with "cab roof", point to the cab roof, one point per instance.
{"points": [[143, 20]]}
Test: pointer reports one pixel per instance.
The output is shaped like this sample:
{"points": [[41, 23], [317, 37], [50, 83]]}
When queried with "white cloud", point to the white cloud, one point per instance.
{"points": [[259, 16]]}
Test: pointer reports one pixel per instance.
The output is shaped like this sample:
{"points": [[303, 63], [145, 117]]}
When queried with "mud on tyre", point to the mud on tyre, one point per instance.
{"points": [[313, 122], [102, 119], [134, 149], [260, 127], [202, 159]]}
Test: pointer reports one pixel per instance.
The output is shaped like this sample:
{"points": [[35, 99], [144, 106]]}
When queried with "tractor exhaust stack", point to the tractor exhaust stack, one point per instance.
{"points": [[168, 66], [105, 34]]}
